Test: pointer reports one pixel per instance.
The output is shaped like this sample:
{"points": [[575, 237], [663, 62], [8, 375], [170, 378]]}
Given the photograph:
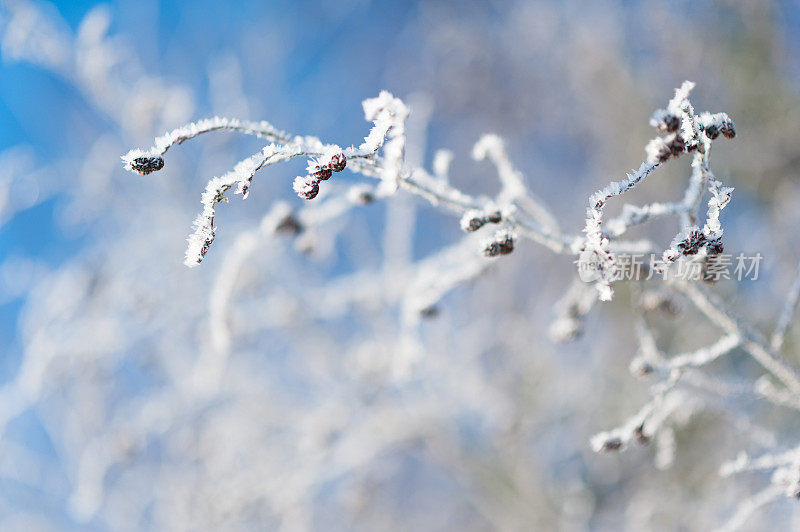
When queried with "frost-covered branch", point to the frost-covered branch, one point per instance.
{"points": [[147, 161], [646, 423], [750, 506], [388, 115], [785, 481], [699, 357], [693, 239], [685, 132], [789, 307], [241, 176], [597, 245], [510, 208], [752, 341]]}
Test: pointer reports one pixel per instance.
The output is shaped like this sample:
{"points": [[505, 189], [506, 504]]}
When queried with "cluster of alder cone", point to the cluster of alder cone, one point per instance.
{"points": [[307, 187]]}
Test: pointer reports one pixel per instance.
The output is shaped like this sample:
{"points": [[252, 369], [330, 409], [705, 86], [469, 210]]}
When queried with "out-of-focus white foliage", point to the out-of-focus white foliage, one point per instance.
{"points": [[313, 375], [514, 204]]}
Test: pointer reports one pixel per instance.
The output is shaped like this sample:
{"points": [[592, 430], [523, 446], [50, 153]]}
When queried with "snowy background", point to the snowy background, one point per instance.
{"points": [[107, 420]]}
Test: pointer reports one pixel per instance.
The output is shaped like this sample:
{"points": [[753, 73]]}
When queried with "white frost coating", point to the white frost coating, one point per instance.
{"points": [[241, 175], [784, 481], [720, 197], [521, 212], [715, 124], [744, 462], [389, 115], [329, 152], [189, 131], [387, 112], [646, 423], [692, 239], [597, 246], [655, 148], [680, 106], [596, 255], [701, 356], [697, 182], [638, 214]]}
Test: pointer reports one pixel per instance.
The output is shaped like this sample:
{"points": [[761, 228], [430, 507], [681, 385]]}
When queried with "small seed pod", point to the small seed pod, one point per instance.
{"points": [[665, 121], [612, 443], [728, 130], [676, 144], [716, 124], [501, 244], [338, 162], [715, 246], [145, 165], [712, 131], [307, 187], [320, 171], [494, 217], [472, 221], [691, 243]]}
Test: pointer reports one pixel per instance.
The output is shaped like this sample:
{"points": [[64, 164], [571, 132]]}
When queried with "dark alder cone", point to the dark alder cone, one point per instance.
{"points": [[145, 165], [338, 162], [671, 123], [692, 243], [728, 130], [712, 131], [723, 125], [715, 247], [494, 217], [676, 145], [471, 225], [612, 444], [321, 172], [502, 245], [666, 121], [306, 187]]}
